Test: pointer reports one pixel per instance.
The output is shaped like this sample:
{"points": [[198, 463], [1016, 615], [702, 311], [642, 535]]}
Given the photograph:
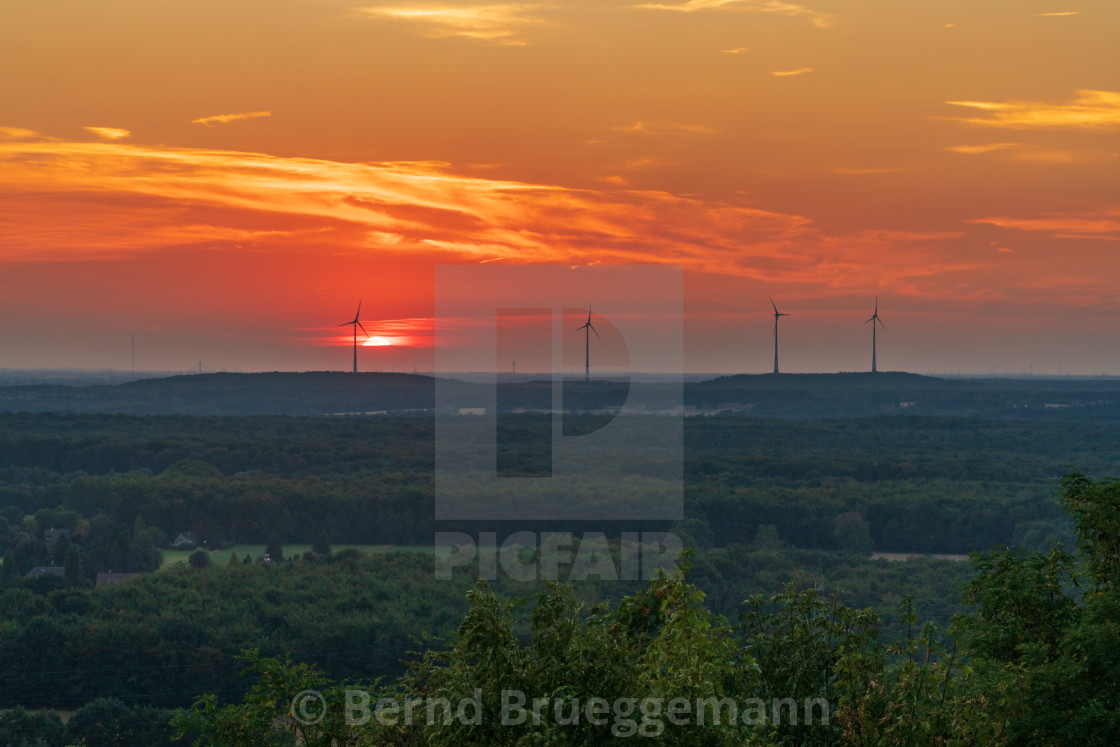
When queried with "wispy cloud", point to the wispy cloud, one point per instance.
{"points": [[737, 50], [91, 200], [226, 194], [820, 20], [981, 148], [1026, 153], [1091, 109], [789, 73], [109, 133], [498, 23], [227, 118], [1060, 13], [1102, 224], [17, 133], [665, 128]]}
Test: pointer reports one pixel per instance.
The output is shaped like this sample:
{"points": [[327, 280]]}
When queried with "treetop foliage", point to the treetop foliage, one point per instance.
{"points": [[1033, 664]]}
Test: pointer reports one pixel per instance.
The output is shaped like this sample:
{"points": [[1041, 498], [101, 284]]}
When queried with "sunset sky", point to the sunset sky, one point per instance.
{"points": [[226, 179]]}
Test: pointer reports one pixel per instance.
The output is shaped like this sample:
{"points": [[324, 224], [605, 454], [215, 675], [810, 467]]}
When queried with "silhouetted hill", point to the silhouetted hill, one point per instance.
{"points": [[317, 393], [857, 394], [873, 381], [762, 395]]}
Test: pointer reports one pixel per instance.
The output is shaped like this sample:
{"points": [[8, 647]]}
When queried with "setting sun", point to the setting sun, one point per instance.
{"points": [[379, 342]]}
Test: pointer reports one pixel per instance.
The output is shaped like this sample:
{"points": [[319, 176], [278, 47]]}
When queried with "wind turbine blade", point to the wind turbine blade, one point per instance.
{"points": [[359, 311], [346, 324], [880, 322], [363, 329], [773, 304], [592, 327], [871, 319]]}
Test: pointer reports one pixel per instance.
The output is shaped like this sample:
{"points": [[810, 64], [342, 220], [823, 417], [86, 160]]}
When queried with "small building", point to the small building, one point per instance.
{"points": [[40, 570], [186, 541], [112, 578]]}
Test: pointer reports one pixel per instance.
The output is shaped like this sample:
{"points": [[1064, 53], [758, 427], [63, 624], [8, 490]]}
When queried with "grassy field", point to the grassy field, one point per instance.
{"points": [[221, 557]]}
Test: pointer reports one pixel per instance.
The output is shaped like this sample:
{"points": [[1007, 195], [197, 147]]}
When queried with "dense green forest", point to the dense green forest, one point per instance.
{"points": [[767, 503], [921, 484], [163, 637], [1034, 664]]}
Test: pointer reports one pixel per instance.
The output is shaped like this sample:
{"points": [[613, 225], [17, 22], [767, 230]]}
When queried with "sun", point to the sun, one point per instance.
{"points": [[378, 342]]}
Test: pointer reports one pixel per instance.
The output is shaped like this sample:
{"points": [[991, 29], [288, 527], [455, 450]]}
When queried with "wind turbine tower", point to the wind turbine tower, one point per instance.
{"points": [[874, 318], [776, 315], [587, 328], [355, 324]]}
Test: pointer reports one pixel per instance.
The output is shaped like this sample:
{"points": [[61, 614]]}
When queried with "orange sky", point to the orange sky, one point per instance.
{"points": [[226, 179]]}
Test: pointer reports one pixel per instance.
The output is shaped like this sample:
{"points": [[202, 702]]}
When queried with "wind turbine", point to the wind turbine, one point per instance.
{"points": [[874, 318], [355, 325], [776, 315], [587, 328]]}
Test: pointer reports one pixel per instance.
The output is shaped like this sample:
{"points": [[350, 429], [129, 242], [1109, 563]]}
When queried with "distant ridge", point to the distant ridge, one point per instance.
{"points": [[843, 380], [810, 395], [276, 393]]}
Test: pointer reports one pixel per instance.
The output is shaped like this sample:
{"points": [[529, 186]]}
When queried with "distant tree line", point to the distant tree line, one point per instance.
{"points": [[124, 486]]}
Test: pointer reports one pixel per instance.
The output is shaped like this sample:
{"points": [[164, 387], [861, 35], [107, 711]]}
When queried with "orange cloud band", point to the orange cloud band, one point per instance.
{"points": [[122, 198]]}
